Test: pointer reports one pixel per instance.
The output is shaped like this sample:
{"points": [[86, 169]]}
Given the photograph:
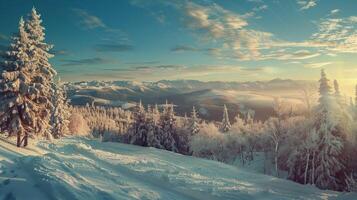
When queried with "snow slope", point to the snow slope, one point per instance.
{"points": [[79, 168]]}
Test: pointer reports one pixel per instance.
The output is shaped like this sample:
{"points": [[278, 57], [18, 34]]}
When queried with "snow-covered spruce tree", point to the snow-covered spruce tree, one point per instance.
{"points": [[329, 165], [153, 130], [226, 124], [43, 72], [194, 126], [60, 114], [18, 108], [138, 131], [168, 128]]}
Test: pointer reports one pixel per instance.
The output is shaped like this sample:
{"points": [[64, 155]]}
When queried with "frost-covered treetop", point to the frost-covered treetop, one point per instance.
{"points": [[35, 26], [325, 88]]}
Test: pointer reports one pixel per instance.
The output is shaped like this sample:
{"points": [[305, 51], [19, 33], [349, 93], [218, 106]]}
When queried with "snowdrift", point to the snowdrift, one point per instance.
{"points": [[78, 168]]}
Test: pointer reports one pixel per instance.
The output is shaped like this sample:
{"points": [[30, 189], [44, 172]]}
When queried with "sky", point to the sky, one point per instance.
{"points": [[222, 40]]}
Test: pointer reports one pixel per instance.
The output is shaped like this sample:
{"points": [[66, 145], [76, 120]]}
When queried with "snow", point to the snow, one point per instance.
{"points": [[80, 168]]}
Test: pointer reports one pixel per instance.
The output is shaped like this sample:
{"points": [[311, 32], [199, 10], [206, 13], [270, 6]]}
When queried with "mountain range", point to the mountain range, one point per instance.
{"points": [[208, 97]]}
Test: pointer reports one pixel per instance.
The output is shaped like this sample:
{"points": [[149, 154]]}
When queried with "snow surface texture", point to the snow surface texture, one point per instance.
{"points": [[78, 168]]}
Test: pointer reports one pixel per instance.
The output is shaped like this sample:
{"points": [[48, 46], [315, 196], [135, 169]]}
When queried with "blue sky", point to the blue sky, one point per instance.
{"points": [[227, 40]]}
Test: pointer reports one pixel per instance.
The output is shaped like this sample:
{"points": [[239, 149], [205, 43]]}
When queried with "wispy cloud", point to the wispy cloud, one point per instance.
{"points": [[261, 7], [113, 47], [255, 1], [86, 61], [160, 67], [317, 65], [339, 34], [306, 4], [233, 37], [183, 48], [295, 55], [334, 11], [89, 21]]}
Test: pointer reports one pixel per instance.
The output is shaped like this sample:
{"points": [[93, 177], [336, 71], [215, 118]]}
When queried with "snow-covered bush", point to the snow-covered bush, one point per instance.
{"points": [[78, 125], [208, 143]]}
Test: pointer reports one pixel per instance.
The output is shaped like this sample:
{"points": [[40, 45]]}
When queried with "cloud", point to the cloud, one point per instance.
{"points": [[113, 47], [255, 1], [183, 48], [231, 29], [233, 37], [317, 65], [86, 61], [339, 34], [306, 4], [261, 7], [89, 21], [334, 11], [160, 67], [143, 63], [213, 19]]}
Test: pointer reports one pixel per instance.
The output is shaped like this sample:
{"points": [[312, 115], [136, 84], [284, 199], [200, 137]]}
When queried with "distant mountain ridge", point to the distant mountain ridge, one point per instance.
{"points": [[207, 96]]}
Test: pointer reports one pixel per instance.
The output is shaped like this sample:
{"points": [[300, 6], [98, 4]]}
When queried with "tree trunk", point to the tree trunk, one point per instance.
{"points": [[307, 166], [276, 159], [242, 155], [26, 139], [313, 169], [18, 143]]}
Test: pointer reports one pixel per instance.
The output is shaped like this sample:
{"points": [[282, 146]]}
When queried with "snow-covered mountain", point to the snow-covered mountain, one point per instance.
{"points": [[207, 96], [78, 168]]}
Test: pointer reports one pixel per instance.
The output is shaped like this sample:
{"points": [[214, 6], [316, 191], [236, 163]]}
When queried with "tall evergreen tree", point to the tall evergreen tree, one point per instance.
{"points": [[194, 127], [168, 128], [153, 130], [226, 125], [330, 144], [60, 114], [19, 109], [138, 131], [43, 72]]}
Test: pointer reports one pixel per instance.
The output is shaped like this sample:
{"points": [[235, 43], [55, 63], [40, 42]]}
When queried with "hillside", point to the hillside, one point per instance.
{"points": [[78, 168]]}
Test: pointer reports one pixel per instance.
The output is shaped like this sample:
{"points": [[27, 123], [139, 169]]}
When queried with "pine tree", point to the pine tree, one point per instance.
{"points": [[60, 114], [43, 72], [330, 143], [18, 93], [194, 127], [153, 135], [168, 128], [226, 125], [138, 132]]}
